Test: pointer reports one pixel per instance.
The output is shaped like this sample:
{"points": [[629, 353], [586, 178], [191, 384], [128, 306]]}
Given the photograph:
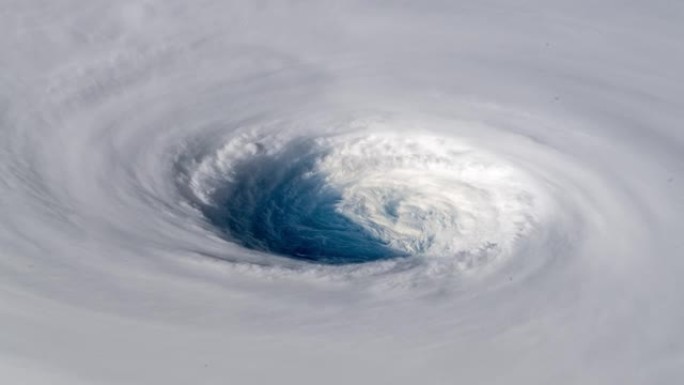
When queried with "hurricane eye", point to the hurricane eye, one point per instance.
{"points": [[353, 199]]}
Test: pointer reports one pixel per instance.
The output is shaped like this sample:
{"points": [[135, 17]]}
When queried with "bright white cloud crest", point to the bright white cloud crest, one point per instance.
{"points": [[364, 192]]}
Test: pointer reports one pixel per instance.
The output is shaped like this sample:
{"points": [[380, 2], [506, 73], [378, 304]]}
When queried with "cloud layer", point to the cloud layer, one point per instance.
{"points": [[187, 189]]}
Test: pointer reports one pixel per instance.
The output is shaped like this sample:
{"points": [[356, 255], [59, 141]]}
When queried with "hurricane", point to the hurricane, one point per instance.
{"points": [[350, 192]]}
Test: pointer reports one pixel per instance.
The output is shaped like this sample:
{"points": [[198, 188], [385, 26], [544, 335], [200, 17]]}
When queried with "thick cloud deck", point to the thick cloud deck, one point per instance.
{"points": [[360, 192]]}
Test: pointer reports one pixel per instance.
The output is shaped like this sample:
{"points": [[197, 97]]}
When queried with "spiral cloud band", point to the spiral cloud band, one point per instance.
{"points": [[359, 192]]}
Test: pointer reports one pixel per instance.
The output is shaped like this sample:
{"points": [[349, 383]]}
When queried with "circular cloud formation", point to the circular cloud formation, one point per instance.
{"points": [[420, 193], [370, 195]]}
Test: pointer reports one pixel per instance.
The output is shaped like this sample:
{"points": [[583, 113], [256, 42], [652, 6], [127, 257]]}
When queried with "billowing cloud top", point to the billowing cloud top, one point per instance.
{"points": [[302, 192]]}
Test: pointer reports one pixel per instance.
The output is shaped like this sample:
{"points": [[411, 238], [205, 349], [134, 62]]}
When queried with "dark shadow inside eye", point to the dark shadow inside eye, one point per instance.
{"points": [[278, 204]]}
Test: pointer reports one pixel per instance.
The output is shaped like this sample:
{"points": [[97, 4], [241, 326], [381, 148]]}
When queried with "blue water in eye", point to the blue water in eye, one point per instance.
{"points": [[275, 204]]}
